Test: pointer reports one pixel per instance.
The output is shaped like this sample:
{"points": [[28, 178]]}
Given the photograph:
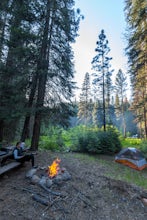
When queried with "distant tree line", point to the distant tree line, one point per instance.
{"points": [[109, 103], [118, 113], [101, 103]]}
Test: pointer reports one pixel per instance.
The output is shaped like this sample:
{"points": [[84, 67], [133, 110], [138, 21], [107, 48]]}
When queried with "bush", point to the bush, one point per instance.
{"points": [[48, 143], [81, 139], [99, 142], [143, 147]]}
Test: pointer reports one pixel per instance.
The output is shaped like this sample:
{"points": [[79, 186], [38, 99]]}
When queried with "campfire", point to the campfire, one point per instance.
{"points": [[50, 175], [49, 186], [54, 169]]}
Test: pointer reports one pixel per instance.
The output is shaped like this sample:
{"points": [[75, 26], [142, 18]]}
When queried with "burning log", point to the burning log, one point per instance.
{"points": [[53, 170]]}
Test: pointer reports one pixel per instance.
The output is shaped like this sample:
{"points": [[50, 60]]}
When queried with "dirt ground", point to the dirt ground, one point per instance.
{"points": [[88, 195]]}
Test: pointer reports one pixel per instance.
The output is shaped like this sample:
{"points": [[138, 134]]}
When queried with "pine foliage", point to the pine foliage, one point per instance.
{"points": [[136, 17]]}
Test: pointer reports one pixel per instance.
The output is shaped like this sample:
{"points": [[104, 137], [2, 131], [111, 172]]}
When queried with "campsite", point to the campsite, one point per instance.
{"points": [[82, 119], [99, 188]]}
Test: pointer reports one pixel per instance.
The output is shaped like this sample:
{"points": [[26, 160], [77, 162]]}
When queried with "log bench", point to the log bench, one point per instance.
{"points": [[9, 166], [6, 161]]}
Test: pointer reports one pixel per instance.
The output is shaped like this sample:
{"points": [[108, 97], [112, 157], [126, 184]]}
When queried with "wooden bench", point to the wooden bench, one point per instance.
{"points": [[9, 166]]}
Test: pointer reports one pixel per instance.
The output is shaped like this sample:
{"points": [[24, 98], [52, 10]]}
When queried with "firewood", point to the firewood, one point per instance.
{"points": [[84, 198], [35, 193], [49, 190], [41, 200]]}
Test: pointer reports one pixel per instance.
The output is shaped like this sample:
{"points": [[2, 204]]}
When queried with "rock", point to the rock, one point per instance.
{"points": [[49, 182], [144, 200], [42, 181], [58, 180], [43, 168], [66, 176], [31, 172], [35, 179]]}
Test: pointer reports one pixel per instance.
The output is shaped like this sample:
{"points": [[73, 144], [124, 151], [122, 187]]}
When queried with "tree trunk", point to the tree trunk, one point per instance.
{"points": [[42, 70], [104, 107], [145, 123], [39, 108], [1, 130], [2, 28], [25, 132]]}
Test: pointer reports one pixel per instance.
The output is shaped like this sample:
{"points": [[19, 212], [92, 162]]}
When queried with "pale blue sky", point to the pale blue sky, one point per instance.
{"points": [[100, 14]]}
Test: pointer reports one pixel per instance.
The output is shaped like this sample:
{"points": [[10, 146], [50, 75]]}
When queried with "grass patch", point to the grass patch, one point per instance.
{"points": [[117, 171], [130, 142]]}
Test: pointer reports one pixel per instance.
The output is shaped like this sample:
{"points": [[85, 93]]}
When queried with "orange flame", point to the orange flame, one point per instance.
{"points": [[54, 168]]}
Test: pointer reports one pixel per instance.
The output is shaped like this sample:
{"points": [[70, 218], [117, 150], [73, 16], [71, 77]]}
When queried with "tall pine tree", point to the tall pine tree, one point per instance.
{"points": [[136, 17], [102, 74], [15, 65]]}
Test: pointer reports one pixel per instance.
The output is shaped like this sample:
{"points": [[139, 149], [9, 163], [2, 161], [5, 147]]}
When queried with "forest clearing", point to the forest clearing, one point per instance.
{"points": [[89, 194], [70, 125]]}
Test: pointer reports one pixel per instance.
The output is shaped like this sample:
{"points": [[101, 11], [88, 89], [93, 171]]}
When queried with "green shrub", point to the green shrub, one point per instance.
{"points": [[48, 143], [74, 135], [143, 147], [98, 142], [81, 139]]}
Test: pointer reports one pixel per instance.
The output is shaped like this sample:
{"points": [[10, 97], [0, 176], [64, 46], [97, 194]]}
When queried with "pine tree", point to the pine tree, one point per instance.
{"points": [[109, 89], [97, 114], [36, 66], [102, 75], [15, 68], [121, 88], [4, 5], [55, 66], [117, 106], [136, 16], [84, 107]]}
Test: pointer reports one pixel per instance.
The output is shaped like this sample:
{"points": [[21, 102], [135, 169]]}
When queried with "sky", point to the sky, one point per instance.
{"points": [[98, 15]]}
